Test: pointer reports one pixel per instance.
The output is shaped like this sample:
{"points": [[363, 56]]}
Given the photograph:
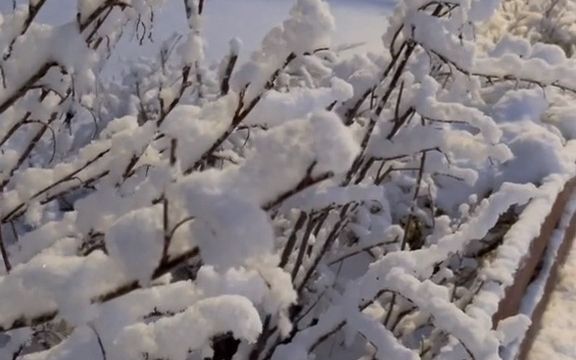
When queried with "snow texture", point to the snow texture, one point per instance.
{"points": [[294, 200]]}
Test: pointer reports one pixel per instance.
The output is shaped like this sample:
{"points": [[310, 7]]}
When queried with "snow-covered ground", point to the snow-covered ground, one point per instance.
{"points": [[358, 21]]}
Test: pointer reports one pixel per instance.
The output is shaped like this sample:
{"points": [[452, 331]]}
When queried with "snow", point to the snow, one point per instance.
{"points": [[435, 36], [278, 107], [268, 286], [196, 129], [325, 200], [170, 337], [220, 226], [67, 283], [388, 347], [139, 229], [482, 9], [204, 319], [359, 22], [83, 341]]}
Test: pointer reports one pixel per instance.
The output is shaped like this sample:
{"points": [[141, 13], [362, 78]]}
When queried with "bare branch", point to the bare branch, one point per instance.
{"points": [[307, 181], [4, 252]]}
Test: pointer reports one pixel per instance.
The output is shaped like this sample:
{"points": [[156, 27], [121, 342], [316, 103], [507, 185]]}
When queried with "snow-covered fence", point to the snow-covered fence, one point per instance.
{"points": [[538, 273], [531, 262]]}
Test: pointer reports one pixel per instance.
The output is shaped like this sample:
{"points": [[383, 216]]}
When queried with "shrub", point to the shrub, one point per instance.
{"points": [[292, 204]]}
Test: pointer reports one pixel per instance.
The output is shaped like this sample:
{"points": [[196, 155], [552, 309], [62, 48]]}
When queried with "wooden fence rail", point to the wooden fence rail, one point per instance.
{"points": [[510, 304]]}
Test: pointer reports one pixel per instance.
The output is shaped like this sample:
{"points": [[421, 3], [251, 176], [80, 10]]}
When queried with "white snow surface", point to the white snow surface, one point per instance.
{"points": [[358, 22], [201, 185]]}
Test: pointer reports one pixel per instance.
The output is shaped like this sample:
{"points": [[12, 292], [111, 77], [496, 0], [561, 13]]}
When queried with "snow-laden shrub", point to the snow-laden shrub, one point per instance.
{"points": [[299, 203], [548, 21]]}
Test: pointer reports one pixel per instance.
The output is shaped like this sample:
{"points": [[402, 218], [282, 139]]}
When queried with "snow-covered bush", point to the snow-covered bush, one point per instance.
{"points": [[299, 203], [548, 21]]}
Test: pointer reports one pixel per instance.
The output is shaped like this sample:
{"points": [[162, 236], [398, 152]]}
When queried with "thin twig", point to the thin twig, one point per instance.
{"points": [[289, 247], [5, 256], [100, 344]]}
